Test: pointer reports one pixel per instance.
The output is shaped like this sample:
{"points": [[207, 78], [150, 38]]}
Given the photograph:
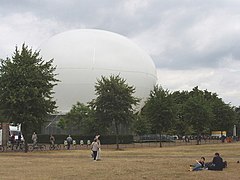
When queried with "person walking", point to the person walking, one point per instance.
{"points": [[99, 147], [95, 148], [34, 139], [69, 141], [52, 140]]}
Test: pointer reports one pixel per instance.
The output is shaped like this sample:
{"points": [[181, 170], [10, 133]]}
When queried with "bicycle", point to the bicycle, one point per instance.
{"points": [[20, 146], [10, 146], [54, 147], [41, 147]]}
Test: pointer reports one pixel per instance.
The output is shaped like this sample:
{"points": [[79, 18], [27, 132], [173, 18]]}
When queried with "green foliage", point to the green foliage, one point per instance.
{"points": [[237, 113], [181, 125], [82, 118], [197, 113], [114, 102], [26, 83], [160, 110], [185, 113], [224, 116], [141, 125]]}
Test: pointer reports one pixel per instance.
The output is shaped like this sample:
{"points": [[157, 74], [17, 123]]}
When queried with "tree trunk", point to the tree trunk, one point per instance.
{"points": [[5, 133], [160, 139], [197, 139], [117, 135]]}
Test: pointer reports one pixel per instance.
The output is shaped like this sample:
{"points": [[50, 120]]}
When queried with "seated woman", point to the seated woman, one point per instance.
{"points": [[199, 165]]}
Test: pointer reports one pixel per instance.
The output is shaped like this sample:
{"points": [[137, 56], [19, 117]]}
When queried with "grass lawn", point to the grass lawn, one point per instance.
{"points": [[132, 163]]}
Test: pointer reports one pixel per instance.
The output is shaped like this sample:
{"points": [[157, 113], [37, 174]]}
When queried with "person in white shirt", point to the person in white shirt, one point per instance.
{"points": [[95, 148]]}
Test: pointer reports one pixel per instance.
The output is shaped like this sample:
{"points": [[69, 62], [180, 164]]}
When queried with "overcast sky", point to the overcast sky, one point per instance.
{"points": [[192, 42]]}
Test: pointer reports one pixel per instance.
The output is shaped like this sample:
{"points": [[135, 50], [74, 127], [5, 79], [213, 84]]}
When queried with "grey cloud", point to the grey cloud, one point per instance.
{"points": [[179, 35]]}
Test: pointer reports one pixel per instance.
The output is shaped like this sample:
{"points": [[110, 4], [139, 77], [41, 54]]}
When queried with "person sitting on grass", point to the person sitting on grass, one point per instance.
{"points": [[217, 163], [200, 165]]}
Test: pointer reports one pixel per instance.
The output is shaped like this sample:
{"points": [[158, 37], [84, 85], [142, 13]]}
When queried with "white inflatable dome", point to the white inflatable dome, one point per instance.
{"points": [[82, 56]]}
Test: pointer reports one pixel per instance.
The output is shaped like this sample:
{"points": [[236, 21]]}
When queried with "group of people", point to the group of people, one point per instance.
{"points": [[14, 141], [52, 140], [95, 146], [217, 164]]}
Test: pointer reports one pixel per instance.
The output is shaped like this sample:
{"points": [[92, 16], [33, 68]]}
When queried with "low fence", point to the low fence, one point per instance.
{"points": [[78, 146], [164, 144]]}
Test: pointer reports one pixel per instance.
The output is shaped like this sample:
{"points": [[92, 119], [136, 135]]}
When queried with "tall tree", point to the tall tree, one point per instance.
{"points": [[26, 89], [224, 116], [181, 126], [198, 112], [160, 110], [114, 103]]}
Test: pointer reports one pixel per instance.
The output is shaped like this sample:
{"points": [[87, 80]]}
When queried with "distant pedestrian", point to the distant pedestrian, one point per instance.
{"points": [[81, 142], [12, 140], [34, 139], [52, 140], [19, 140], [88, 143], [69, 141]]}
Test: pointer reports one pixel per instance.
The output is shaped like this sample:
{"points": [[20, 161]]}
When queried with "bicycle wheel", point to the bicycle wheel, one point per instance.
{"points": [[42, 147], [9, 148], [22, 147], [51, 147], [1, 148], [58, 147], [30, 147]]}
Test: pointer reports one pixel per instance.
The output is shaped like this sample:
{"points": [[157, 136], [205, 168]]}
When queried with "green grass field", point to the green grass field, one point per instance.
{"points": [[133, 163]]}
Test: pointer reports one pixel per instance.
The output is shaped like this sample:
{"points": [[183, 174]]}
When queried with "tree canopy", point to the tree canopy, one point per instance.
{"points": [[114, 104], [196, 112], [160, 110], [81, 118], [26, 88]]}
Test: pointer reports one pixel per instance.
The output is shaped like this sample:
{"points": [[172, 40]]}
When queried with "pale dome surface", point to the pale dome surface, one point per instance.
{"points": [[82, 56]]}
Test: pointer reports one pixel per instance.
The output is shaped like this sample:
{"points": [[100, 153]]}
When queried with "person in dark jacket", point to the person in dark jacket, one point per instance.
{"points": [[217, 163]]}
